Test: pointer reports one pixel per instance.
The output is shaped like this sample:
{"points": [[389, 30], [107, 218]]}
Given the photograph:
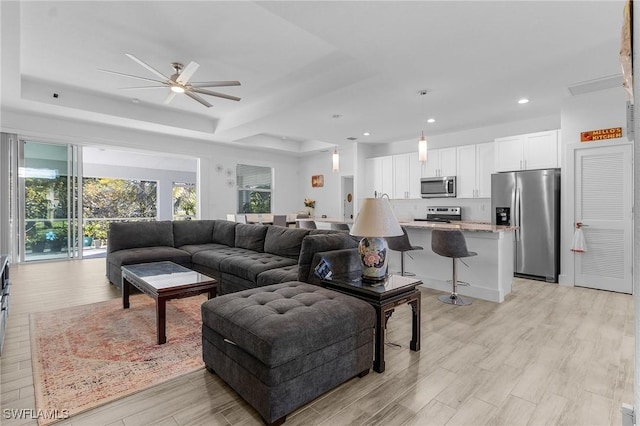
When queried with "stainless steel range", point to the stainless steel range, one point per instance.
{"points": [[443, 214]]}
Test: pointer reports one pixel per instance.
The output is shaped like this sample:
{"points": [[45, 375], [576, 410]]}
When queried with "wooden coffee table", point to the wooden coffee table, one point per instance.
{"points": [[165, 281], [384, 296]]}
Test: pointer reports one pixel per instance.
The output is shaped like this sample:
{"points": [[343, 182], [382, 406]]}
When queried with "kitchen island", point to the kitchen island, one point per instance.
{"points": [[489, 274]]}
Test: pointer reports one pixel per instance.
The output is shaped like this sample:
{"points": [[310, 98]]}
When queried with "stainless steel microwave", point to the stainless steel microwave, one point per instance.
{"points": [[438, 187]]}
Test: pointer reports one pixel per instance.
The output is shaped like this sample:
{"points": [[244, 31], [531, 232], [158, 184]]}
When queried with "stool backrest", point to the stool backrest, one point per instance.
{"points": [[449, 243], [400, 243]]}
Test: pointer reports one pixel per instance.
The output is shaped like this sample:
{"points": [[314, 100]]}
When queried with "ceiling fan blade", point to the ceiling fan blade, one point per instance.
{"points": [[148, 67], [131, 75], [198, 98], [169, 97], [143, 87], [215, 83], [187, 72], [210, 93]]}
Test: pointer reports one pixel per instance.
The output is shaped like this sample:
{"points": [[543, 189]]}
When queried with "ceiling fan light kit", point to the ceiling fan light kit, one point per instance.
{"points": [[179, 82]]}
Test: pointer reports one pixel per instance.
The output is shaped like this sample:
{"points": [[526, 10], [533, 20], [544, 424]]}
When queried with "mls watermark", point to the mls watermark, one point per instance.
{"points": [[30, 413]]}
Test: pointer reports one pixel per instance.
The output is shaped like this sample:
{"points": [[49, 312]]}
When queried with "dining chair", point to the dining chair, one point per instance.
{"points": [[306, 224], [280, 219]]}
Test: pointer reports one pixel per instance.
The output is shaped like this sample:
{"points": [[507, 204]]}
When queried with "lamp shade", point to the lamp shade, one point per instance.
{"points": [[336, 160], [376, 219]]}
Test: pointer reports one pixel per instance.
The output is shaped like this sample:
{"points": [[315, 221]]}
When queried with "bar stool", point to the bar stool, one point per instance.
{"points": [[451, 243], [403, 245]]}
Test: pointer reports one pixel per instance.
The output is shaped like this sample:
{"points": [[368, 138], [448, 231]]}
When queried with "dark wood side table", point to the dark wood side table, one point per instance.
{"points": [[165, 281], [395, 290]]}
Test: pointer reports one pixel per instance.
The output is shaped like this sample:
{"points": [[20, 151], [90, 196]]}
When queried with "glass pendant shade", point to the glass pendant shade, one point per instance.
{"points": [[422, 149], [336, 160]]}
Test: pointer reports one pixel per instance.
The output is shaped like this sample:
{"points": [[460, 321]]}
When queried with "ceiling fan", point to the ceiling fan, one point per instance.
{"points": [[178, 82]]}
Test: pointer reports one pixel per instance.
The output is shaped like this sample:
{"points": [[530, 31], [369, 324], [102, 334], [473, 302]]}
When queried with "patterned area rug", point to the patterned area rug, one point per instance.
{"points": [[86, 356]]}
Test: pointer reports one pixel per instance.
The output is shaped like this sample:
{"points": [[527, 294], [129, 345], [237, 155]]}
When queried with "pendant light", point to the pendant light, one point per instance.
{"points": [[422, 142], [335, 158]]}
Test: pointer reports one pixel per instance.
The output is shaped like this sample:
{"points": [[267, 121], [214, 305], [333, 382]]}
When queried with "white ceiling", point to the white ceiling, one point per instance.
{"points": [[302, 62]]}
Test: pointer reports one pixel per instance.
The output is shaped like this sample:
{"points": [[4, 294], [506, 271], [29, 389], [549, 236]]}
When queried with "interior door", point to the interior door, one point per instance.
{"points": [[347, 198], [604, 197]]}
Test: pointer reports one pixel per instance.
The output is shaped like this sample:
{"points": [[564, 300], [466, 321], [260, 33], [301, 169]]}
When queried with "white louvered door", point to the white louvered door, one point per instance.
{"points": [[604, 199]]}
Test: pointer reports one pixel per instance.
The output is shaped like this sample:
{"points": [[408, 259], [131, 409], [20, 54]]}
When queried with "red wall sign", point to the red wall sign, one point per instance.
{"points": [[598, 135]]}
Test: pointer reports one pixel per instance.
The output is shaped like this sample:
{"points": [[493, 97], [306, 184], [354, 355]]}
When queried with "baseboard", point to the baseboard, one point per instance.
{"points": [[471, 290]]}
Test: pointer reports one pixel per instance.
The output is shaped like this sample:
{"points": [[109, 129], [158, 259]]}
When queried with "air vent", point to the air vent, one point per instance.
{"points": [[595, 85]]}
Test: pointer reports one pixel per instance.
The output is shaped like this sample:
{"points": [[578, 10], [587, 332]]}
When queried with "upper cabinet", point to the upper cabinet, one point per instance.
{"points": [[527, 152], [440, 162], [406, 176], [475, 165], [379, 172]]}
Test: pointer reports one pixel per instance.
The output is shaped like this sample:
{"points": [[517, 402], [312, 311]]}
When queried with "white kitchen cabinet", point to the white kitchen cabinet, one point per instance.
{"points": [[379, 176], [527, 152], [474, 165], [406, 176], [485, 167], [441, 162]]}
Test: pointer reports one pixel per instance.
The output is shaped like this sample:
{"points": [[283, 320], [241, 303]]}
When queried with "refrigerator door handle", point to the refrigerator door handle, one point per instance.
{"points": [[517, 214]]}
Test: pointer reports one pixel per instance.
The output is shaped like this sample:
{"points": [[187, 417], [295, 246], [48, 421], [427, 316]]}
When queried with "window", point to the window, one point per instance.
{"points": [[184, 201], [254, 188]]}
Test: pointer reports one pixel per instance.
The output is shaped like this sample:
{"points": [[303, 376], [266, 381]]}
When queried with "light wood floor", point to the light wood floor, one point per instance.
{"points": [[548, 355]]}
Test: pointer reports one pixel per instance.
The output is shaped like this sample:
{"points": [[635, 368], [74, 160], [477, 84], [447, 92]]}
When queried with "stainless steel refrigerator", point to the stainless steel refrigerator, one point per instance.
{"points": [[530, 200]]}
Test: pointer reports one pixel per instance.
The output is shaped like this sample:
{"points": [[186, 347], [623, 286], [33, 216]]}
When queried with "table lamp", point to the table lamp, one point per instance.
{"points": [[374, 222]]}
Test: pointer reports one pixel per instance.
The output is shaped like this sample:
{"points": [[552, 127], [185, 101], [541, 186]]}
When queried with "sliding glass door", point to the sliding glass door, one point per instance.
{"points": [[49, 185]]}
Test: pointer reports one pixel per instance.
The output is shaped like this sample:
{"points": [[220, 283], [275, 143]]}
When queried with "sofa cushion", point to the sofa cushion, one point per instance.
{"points": [[150, 254], [249, 265], [125, 235], [250, 237], [224, 232], [192, 232], [285, 242], [212, 258], [278, 275], [316, 243], [194, 248]]}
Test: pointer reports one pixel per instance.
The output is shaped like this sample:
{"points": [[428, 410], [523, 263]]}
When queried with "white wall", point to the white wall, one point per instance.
{"points": [[597, 110], [216, 199], [328, 198]]}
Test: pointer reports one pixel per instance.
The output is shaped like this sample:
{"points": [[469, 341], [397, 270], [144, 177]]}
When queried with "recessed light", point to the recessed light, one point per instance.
{"points": [[366, 134], [135, 100], [523, 101], [431, 120]]}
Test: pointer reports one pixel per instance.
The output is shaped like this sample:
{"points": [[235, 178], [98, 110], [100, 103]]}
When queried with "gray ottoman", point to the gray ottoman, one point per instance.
{"points": [[283, 345]]}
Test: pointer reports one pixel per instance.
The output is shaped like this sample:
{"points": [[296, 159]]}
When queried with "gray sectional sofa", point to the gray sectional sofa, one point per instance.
{"points": [[239, 256]]}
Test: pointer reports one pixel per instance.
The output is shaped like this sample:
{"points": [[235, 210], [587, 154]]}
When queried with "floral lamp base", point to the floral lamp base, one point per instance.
{"points": [[373, 256]]}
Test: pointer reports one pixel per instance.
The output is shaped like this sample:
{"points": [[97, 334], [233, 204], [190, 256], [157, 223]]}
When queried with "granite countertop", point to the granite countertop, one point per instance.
{"points": [[462, 225]]}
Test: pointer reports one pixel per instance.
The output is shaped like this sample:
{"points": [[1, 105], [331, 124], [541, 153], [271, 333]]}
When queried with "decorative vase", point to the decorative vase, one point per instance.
{"points": [[310, 211], [373, 256]]}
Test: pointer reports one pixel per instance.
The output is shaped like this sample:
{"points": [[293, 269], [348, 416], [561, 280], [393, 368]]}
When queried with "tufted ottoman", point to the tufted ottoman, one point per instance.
{"points": [[283, 345]]}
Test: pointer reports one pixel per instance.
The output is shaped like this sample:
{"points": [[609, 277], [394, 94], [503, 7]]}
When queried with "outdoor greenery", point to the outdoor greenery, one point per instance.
{"points": [[184, 201], [118, 198], [259, 202]]}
